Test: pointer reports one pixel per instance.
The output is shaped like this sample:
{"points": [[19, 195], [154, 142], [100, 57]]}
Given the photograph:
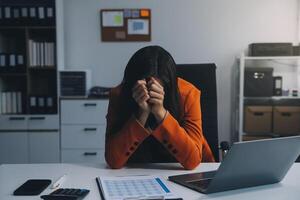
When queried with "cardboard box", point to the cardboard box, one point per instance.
{"points": [[286, 120], [258, 119]]}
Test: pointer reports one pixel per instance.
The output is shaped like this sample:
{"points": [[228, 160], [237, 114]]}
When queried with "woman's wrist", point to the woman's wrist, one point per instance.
{"points": [[160, 115], [142, 116]]}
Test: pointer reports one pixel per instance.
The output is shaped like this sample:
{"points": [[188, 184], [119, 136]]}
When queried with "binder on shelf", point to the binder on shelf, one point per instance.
{"points": [[13, 102], [19, 102], [1, 16], [24, 12], [50, 12], [41, 104], [50, 105], [33, 104], [30, 45], [32, 12], [37, 55], [41, 13], [34, 54], [12, 60], [0, 100], [2, 60], [20, 60], [7, 12], [4, 111], [42, 54], [46, 54], [16, 13], [24, 15], [8, 103]]}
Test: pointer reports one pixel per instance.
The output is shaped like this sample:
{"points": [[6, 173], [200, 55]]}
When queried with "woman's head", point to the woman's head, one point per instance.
{"points": [[151, 61]]}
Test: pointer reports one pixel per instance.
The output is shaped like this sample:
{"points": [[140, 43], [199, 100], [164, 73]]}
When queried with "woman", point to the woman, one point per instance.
{"points": [[153, 116]]}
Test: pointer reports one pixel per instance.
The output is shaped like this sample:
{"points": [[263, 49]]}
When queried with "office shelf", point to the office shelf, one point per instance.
{"points": [[240, 99], [30, 40], [29, 124]]}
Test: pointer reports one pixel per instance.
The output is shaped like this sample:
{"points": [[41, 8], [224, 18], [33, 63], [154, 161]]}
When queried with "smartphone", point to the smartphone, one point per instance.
{"points": [[32, 187]]}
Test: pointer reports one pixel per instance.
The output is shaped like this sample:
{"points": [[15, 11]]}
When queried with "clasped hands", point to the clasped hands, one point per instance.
{"points": [[149, 95]]}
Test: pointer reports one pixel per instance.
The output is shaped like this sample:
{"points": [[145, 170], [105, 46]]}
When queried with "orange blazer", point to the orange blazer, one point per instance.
{"points": [[185, 142]]}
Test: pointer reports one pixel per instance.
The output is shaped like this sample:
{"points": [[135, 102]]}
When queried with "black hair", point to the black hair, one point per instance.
{"points": [[150, 61]]}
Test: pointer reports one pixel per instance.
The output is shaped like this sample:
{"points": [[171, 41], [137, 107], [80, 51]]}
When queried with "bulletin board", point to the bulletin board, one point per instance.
{"points": [[127, 25]]}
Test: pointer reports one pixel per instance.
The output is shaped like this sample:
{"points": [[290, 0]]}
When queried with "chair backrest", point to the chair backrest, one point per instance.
{"points": [[203, 76]]}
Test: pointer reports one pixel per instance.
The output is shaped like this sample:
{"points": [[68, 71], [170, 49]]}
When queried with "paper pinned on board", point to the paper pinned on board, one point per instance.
{"points": [[112, 19], [138, 27]]}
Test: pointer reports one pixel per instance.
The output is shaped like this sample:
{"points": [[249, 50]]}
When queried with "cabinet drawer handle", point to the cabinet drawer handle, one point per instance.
{"points": [[90, 129], [37, 118], [258, 113], [90, 104], [286, 114], [90, 153], [17, 118]]}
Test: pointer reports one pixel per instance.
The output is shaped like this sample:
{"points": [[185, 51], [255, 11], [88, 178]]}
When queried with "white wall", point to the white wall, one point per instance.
{"points": [[194, 31]]}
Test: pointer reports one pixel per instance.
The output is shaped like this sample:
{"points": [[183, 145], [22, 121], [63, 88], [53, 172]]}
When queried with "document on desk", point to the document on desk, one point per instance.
{"points": [[134, 187]]}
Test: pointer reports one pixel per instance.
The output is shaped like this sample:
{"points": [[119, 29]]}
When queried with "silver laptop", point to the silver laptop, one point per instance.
{"points": [[247, 164]]}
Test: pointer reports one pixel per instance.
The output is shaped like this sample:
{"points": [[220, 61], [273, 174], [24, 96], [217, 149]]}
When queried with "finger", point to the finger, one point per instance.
{"points": [[144, 98], [156, 88], [142, 95], [139, 93], [155, 101], [156, 95], [139, 83], [139, 89], [156, 82]]}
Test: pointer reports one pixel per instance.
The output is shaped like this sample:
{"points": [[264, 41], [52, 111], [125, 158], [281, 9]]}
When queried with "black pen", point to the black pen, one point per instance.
{"points": [[99, 187]]}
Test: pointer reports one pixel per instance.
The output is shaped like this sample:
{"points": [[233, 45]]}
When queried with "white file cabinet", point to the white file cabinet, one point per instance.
{"points": [[83, 127], [29, 139]]}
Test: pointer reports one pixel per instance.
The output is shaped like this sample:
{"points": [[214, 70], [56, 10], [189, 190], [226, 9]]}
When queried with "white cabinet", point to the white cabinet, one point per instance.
{"points": [[29, 139], [83, 127], [43, 147], [13, 147]]}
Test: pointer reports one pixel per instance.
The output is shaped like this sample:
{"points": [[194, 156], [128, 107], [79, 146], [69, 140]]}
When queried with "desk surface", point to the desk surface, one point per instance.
{"points": [[83, 176]]}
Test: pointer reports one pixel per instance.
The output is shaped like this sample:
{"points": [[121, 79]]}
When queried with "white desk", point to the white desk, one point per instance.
{"points": [[79, 176]]}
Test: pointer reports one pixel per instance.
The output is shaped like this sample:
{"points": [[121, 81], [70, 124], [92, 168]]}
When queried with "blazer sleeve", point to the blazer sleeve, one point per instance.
{"points": [[120, 145], [186, 141]]}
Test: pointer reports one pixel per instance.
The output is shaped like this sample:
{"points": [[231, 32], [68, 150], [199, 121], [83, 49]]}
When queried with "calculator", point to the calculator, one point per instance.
{"points": [[66, 194]]}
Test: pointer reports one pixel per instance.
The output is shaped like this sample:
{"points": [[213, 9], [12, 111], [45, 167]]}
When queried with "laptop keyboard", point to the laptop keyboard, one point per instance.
{"points": [[201, 183]]}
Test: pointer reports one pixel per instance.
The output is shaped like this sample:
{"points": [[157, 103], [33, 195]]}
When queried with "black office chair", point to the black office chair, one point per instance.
{"points": [[203, 76]]}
